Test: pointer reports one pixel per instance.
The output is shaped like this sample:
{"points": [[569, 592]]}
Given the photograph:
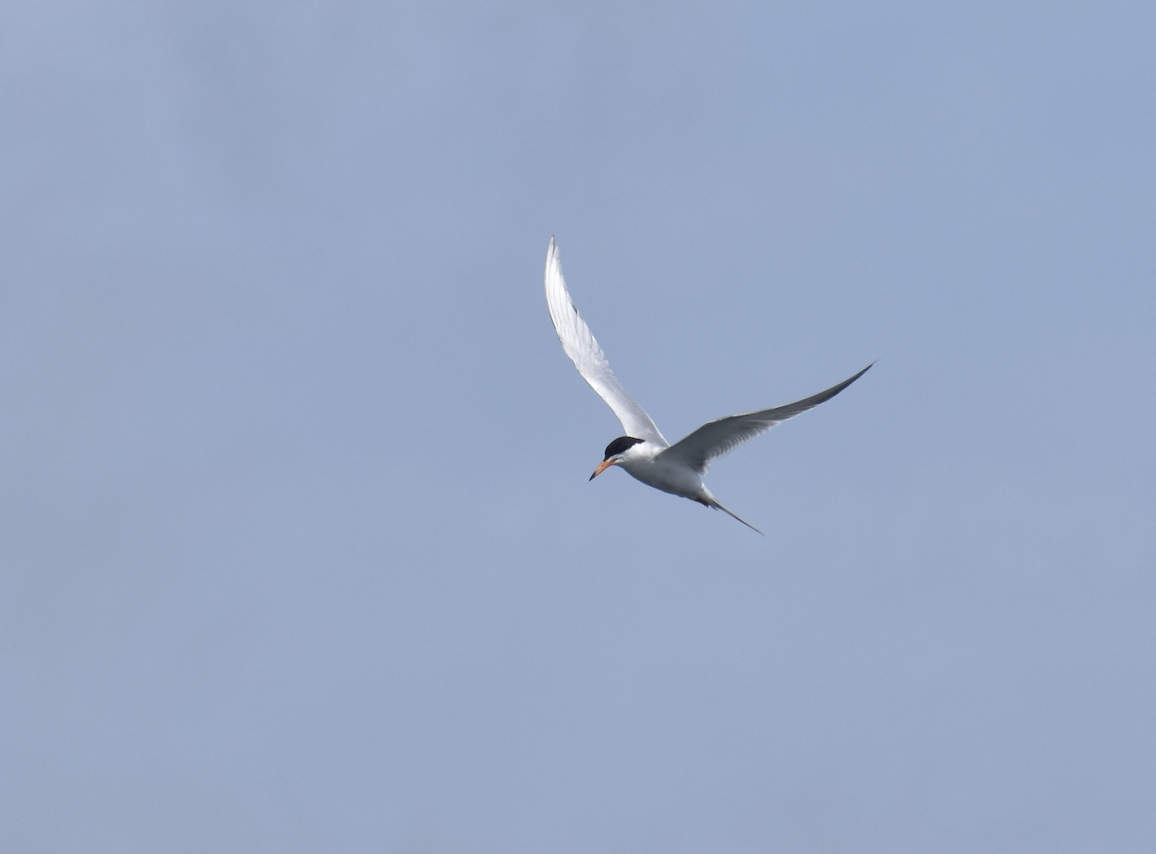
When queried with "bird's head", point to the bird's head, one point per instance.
{"points": [[616, 452]]}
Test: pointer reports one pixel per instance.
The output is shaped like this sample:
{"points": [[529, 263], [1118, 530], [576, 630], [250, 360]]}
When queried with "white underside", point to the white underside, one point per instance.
{"points": [[666, 474]]}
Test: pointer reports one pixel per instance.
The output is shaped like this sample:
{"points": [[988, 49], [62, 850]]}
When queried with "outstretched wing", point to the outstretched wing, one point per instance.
{"points": [[716, 438], [588, 357]]}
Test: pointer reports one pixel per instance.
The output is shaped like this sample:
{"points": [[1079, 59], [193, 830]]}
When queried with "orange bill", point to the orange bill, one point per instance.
{"points": [[602, 466]]}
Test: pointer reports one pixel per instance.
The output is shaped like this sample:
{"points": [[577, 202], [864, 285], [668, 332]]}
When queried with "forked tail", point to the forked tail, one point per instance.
{"points": [[713, 502]]}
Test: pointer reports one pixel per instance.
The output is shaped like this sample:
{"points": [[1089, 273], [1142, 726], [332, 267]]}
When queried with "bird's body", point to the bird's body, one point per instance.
{"points": [[643, 451], [648, 464]]}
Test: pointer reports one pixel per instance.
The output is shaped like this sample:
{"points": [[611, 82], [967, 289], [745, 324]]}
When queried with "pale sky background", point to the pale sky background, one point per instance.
{"points": [[297, 548]]}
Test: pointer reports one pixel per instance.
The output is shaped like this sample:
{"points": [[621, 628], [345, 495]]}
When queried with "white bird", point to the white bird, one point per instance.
{"points": [[643, 452]]}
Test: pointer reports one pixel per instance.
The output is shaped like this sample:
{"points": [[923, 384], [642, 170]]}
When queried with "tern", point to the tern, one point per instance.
{"points": [[643, 452]]}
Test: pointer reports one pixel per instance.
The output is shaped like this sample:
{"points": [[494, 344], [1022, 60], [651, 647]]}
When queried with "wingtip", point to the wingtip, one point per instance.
{"points": [[850, 380]]}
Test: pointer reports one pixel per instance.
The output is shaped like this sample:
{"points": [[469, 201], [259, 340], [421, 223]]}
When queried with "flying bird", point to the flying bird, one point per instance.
{"points": [[642, 451]]}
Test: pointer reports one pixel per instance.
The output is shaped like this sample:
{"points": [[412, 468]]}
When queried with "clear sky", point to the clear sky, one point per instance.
{"points": [[297, 548]]}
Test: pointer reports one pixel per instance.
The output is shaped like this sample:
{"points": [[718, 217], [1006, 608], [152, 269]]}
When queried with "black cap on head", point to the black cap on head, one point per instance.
{"points": [[619, 445]]}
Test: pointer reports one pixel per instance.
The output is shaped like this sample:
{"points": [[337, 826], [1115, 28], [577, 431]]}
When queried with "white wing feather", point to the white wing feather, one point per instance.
{"points": [[717, 438], [583, 350]]}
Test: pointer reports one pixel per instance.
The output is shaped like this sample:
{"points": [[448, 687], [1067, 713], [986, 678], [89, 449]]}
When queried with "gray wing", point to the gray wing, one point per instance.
{"points": [[588, 358], [716, 438]]}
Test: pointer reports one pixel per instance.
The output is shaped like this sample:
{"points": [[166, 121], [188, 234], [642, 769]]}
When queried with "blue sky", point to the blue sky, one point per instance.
{"points": [[297, 548]]}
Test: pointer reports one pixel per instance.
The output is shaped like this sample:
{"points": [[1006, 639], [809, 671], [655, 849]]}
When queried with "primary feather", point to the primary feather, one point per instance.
{"points": [[579, 344], [718, 438]]}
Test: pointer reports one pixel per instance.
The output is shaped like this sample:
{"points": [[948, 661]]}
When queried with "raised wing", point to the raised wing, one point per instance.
{"points": [[588, 357], [716, 438]]}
